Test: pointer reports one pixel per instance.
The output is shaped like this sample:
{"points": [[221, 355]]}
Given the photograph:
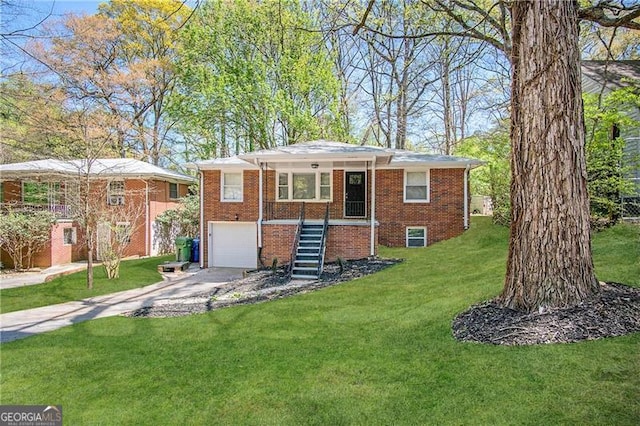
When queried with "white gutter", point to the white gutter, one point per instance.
{"points": [[373, 206], [466, 196], [260, 207], [202, 236]]}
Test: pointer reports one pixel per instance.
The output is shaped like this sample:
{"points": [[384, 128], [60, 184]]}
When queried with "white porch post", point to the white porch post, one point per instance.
{"points": [[373, 206], [466, 197]]}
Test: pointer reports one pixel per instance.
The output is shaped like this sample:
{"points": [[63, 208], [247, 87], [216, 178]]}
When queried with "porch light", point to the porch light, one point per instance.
{"points": [[314, 165]]}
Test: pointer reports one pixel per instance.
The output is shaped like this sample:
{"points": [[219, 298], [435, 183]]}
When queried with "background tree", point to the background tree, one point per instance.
{"points": [[148, 33], [250, 77], [414, 81], [494, 177], [27, 111], [120, 59]]}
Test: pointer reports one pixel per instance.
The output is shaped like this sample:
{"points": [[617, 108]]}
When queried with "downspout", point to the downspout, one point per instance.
{"points": [[147, 228], [202, 236], [466, 196], [260, 206], [373, 207]]}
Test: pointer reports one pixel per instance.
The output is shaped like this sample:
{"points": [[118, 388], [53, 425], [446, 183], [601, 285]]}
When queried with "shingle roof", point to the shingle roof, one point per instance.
{"points": [[403, 158], [118, 167], [318, 148], [337, 151]]}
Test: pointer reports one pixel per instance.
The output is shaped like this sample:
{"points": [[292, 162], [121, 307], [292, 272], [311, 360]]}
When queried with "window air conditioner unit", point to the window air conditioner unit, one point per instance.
{"points": [[116, 200]]}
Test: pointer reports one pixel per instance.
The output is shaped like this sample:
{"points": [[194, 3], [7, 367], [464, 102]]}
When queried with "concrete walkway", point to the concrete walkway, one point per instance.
{"points": [[22, 279], [21, 324]]}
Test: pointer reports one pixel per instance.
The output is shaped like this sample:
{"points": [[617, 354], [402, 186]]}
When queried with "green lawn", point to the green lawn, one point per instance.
{"points": [[133, 274], [377, 350]]}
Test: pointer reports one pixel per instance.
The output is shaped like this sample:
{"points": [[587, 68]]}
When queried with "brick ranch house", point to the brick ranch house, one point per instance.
{"points": [[319, 201], [49, 184]]}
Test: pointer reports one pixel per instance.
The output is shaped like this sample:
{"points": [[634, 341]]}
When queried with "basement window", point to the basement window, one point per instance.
{"points": [[416, 236]]}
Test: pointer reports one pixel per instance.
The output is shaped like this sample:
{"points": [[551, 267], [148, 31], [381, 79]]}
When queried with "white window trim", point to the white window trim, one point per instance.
{"points": [[126, 225], [406, 236], [291, 172], [232, 172], [177, 191], [52, 194], [404, 186], [74, 236], [116, 198]]}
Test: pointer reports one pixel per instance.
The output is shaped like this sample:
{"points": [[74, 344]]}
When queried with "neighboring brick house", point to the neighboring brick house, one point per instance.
{"points": [[49, 185], [251, 204]]}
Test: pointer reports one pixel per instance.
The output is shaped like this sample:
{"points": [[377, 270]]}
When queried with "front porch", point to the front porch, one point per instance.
{"points": [[351, 211]]}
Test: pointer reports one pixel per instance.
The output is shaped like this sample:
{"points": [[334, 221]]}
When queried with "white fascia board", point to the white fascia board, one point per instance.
{"points": [[432, 165], [225, 164], [299, 158], [31, 174]]}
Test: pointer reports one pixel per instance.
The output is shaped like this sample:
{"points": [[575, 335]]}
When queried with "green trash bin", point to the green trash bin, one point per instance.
{"points": [[183, 249]]}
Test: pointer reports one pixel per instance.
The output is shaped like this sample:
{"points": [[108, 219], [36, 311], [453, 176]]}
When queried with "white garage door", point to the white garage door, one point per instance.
{"points": [[233, 244]]}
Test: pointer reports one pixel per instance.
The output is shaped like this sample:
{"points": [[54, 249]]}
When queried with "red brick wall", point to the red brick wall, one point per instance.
{"points": [[277, 241], [344, 241], [159, 201], [12, 191], [214, 209], [349, 242], [135, 195], [443, 215]]}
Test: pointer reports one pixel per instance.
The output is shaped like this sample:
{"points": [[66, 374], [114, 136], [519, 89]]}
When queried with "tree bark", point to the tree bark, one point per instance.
{"points": [[446, 103], [549, 263]]}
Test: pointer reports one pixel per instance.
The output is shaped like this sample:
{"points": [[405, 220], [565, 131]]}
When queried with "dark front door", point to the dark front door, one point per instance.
{"points": [[355, 194]]}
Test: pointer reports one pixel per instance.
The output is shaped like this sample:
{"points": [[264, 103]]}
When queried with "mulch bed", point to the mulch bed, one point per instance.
{"points": [[615, 312], [262, 285]]}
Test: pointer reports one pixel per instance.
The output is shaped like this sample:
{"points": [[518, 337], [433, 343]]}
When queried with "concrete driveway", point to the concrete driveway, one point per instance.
{"points": [[21, 324]]}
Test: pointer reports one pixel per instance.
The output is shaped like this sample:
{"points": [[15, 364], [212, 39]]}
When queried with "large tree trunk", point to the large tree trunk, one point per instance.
{"points": [[549, 262]]}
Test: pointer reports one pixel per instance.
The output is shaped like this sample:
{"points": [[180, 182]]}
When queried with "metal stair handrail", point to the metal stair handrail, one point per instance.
{"points": [[323, 246], [296, 241]]}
